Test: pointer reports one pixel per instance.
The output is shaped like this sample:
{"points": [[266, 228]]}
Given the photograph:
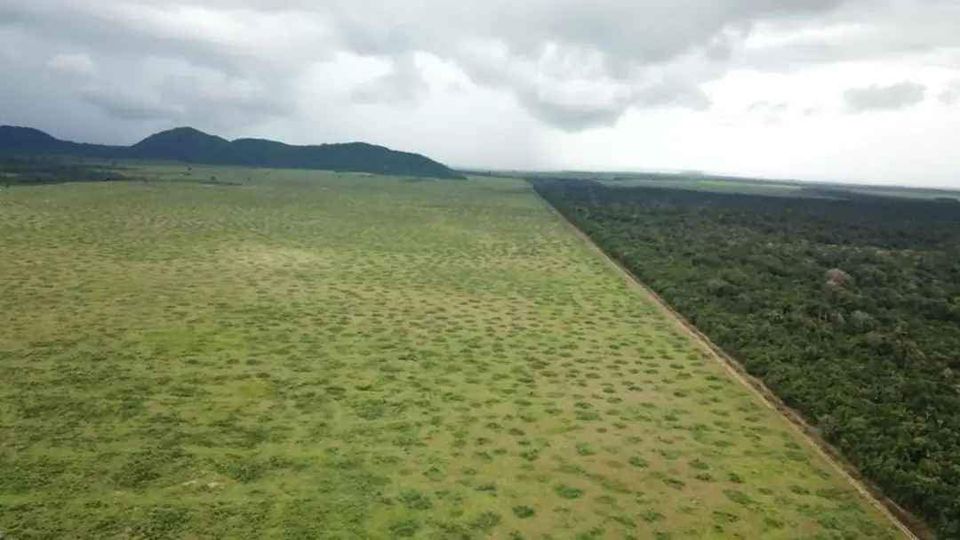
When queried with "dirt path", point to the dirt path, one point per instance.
{"points": [[907, 524]]}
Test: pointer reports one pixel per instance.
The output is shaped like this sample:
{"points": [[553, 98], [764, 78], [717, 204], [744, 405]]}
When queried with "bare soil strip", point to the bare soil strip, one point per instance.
{"points": [[910, 526]]}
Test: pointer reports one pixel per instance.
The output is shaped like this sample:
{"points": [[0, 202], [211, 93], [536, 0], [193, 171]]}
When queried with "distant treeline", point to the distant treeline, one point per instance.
{"points": [[43, 170], [848, 308]]}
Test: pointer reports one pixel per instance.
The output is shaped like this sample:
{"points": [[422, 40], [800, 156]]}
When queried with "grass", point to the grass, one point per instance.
{"points": [[307, 354]]}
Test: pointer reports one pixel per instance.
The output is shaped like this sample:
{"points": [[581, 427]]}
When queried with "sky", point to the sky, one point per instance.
{"points": [[839, 90]]}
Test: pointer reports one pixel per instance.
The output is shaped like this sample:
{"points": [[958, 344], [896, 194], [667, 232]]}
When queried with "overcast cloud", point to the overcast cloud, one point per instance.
{"points": [[951, 94], [880, 98], [761, 87]]}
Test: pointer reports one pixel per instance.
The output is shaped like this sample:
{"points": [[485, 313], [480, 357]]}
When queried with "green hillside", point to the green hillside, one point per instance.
{"points": [[192, 146]]}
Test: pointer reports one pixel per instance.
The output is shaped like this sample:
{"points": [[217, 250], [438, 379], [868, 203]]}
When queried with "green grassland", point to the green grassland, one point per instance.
{"points": [[305, 354]]}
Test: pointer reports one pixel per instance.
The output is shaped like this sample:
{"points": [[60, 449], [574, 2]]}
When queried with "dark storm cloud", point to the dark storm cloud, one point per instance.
{"points": [[880, 98], [225, 64]]}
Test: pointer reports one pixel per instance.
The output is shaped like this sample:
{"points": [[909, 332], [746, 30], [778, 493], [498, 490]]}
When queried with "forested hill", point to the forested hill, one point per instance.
{"points": [[193, 146]]}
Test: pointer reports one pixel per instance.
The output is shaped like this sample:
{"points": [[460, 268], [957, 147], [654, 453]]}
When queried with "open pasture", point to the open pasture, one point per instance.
{"points": [[304, 354]]}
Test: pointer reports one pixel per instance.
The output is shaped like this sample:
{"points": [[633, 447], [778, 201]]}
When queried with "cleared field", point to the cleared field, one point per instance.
{"points": [[320, 355]]}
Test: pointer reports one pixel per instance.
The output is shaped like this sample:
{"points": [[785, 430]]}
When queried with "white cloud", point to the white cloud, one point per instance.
{"points": [[884, 98], [951, 94]]}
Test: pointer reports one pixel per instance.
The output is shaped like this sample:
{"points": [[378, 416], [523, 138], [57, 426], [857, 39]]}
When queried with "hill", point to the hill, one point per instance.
{"points": [[193, 146]]}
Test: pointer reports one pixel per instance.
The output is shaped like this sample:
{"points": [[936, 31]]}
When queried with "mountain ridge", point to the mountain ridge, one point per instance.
{"points": [[190, 145]]}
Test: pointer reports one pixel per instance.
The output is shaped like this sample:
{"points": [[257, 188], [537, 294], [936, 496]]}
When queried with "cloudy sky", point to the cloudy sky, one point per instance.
{"points": [[846, 90]]}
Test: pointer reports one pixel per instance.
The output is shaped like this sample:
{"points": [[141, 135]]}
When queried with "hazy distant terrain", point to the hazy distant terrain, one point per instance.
{"points": [[736, 184]]}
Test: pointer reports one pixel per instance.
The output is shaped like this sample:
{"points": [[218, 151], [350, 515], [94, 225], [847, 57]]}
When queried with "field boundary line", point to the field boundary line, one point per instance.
{"points": [[904, 521]]}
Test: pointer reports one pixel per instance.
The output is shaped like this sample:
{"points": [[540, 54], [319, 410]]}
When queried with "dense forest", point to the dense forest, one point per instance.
{"points": [[848, 307]]}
